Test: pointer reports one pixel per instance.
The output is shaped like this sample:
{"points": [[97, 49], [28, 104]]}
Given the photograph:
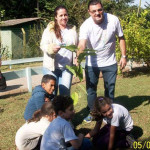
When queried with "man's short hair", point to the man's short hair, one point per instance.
{"points": [[94, 2], [46, 78]]}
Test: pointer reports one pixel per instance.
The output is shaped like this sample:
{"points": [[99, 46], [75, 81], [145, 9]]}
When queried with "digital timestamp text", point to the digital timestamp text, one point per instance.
{"points": [[141, 145]]}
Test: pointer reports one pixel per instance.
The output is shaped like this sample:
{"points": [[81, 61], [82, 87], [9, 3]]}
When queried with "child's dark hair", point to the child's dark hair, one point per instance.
{"points": [[46, 109], [47, 77], [61, 103], [94, 2], [99, 103]]}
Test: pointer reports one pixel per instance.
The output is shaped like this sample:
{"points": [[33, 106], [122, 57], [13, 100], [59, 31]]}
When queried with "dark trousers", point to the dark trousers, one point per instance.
{"points": [[101, 140], [92, 76]]}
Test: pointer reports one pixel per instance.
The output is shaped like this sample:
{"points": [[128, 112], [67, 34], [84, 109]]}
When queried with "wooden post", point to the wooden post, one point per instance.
{"points": [[24, 42]]}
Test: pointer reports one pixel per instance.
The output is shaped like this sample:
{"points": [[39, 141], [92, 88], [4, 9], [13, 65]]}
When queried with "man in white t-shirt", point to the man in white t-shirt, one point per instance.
{"points": [[99, 32]]}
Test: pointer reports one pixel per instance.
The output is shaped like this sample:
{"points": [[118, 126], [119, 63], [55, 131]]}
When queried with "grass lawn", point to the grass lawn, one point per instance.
{"points": [[133, 92]]}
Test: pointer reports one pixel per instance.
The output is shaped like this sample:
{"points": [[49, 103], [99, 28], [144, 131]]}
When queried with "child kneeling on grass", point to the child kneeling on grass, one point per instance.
{"points": [[119, 125], [60, 135], [40, 95], [28, 137]]}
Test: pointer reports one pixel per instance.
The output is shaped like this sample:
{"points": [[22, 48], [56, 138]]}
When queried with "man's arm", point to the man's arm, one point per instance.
{"points": [[81, 46], [123, 60]]}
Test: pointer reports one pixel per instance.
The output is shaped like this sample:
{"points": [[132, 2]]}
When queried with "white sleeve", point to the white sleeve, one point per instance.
{"points": [[119, 30], [83, 33], [46, 44], [69, 133], [115, 120]]}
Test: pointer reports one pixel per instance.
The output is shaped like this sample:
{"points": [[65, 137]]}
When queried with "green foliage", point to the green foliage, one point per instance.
{"points": [[5, 53], [76, 70], [137, 35], [72, 48], [2, 14], [33, 43]]}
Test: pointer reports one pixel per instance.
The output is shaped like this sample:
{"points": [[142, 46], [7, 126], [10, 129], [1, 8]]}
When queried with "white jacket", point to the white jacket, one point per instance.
{"points": [[47, 42]]}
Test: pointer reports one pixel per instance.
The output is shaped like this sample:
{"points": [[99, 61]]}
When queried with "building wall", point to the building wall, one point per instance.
{"points": [[17, 43], [6, 42], [12, 38]]}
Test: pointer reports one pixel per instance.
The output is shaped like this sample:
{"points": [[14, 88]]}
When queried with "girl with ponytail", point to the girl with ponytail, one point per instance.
{"points": [[59, 33], [28, 137]]}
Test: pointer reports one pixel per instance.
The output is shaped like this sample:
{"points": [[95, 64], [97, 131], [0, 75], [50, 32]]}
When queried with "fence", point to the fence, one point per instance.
{"points": [[29, 71]]}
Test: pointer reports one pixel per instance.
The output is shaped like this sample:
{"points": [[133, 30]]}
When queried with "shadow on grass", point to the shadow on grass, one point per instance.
{"points": [[137, 71], [132, 102], [9, 88], [12, 95], [137, 132], [78, 118]]}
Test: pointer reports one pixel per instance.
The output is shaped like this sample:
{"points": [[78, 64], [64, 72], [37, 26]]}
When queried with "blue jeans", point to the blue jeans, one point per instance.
{"points": [[92, 76], [63, 80]]}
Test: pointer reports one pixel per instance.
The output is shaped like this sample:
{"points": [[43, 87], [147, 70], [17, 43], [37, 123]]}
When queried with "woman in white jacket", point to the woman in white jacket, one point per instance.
{"points": [[56, 34]]}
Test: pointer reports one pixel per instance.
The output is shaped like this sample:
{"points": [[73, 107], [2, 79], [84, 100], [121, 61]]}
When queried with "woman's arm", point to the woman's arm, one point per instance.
{"points": [[112, 137], [95, 130], [47, 44]]}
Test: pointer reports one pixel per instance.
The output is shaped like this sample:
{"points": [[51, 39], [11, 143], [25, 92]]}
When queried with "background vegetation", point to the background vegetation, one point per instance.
{"points": [[135, 21]]}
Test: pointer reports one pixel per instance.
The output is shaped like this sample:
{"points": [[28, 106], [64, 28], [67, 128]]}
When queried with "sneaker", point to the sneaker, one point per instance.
{"points": [[88, 119], [130, 139]]}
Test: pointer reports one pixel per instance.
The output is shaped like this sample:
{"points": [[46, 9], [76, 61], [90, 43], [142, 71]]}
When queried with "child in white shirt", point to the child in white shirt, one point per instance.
{"points": [[118, 125], [29, 135]]}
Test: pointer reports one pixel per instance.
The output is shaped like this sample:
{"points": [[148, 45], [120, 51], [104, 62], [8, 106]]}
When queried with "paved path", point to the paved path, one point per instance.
{"points": [[20, 85]]}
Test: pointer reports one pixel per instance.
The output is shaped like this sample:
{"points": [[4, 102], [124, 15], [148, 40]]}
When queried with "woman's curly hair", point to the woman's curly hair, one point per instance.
{"points": [[99, 103]]}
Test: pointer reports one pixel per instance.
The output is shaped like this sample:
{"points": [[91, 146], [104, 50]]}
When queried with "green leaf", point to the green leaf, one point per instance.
{"points": [[72, 69], [80, 72], [82, 56], [75, 98], [72, 48], [89, 50], [76, 70]]}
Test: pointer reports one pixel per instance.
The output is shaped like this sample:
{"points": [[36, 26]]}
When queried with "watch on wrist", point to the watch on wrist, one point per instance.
{"points": [[124, 56]]}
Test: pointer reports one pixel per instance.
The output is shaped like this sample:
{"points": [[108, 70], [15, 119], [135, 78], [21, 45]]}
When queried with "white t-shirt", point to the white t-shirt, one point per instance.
{"points": [[121, 118], [28, 135], [64, 56], [57, 134], [101, 38]]}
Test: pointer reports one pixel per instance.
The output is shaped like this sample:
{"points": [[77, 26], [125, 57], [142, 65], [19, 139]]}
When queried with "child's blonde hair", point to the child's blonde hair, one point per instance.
{"points": [[99, 103]]}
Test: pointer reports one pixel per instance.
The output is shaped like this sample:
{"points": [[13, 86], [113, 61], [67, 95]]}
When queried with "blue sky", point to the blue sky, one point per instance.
{"points": [[136, 2]]}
